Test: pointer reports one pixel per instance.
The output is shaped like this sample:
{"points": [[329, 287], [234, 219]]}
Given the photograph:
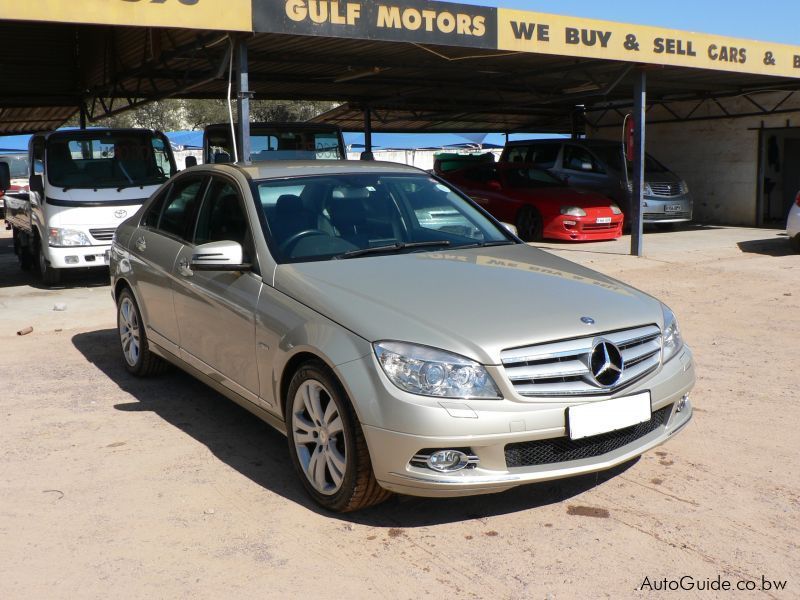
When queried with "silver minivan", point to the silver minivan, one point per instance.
{"points": [[598, 165]]}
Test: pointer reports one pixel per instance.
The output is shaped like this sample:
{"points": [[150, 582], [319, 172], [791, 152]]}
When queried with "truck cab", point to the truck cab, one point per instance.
{"points": [[82, 185], [276, 141]]}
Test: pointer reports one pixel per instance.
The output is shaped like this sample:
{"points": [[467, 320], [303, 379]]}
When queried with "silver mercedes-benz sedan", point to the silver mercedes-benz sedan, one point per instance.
{"points": [[402, 338]]}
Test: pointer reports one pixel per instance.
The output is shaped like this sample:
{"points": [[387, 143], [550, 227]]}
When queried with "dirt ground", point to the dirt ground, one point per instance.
{"points": [[113, 487]]}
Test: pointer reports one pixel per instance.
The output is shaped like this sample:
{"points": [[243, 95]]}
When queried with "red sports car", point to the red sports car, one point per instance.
{"points": [[538, 203]]}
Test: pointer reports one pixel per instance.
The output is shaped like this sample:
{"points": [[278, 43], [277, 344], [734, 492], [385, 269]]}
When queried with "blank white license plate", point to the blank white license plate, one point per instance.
{"points": [[673, 208], [604, 220], [609, 415]]}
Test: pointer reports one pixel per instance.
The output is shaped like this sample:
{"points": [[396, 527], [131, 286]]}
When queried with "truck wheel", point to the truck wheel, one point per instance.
{"points": [[50, 276], [529, 224], [23, 253], [326, 444], [133, 339]]}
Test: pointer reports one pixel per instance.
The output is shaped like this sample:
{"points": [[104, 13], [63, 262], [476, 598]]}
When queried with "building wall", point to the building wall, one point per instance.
{"points": [[719, 158]]}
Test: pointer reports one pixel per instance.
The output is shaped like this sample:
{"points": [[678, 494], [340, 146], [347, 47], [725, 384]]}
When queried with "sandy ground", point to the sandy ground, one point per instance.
{"points": [[112, 487]]}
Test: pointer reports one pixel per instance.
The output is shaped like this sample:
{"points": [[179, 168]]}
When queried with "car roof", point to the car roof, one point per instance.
{"points": [[304, 168], [582, 142]]}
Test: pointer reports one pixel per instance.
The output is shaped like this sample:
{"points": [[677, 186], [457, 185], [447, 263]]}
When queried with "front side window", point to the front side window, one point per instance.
{"points": [[352, 215], [526, 177], [107, 159], [580, 159], [177, 216], [222, 218]]}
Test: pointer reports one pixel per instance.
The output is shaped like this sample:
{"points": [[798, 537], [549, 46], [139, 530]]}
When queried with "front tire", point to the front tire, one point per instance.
{"points": [[529, 224], [138, 358], [795, 242], [23, 252], [50, 276], [326, 443]]}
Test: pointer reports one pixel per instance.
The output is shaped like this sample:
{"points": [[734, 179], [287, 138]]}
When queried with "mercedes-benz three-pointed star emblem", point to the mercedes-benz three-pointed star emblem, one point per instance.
{"points": [[606, 363]]}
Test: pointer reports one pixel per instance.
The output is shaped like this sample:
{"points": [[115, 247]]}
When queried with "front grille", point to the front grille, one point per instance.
{"points": [[563, 449], [562, 368], [666, 216], [666, 190], [599, 226], [102, 235]]}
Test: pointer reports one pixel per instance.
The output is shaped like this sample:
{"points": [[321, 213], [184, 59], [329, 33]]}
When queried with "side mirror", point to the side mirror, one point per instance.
{"points": [[219, 256], [35, 184], [5, 176], [191, 161], [511, 228]]}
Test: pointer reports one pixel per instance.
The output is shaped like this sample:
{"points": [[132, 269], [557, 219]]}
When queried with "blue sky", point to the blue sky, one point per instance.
{"points": [[765, 20]]}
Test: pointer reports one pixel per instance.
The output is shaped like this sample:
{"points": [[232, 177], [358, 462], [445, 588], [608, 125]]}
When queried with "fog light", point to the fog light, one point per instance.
{"points": [[682, 403], [71, 260], [570, 223], [447, 461]]}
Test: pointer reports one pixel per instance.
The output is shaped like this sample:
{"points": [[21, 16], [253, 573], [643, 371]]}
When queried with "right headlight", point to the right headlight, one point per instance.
{"points": [[430, 372], [573, 211], [672, 339], [67, 237]]}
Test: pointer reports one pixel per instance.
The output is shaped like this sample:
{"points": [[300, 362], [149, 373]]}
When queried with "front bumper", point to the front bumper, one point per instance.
{"points": [[75, 257], [678, 209], [397, 426], [583, 229]]}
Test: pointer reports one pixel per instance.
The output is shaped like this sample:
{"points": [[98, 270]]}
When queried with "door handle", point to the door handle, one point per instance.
{"points": [[141, 244], [184, 269]]}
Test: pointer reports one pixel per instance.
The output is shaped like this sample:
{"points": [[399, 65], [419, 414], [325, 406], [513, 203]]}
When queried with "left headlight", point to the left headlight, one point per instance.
{"points": [[672, 339], [430, 372], [68, 237], [573, 211]]}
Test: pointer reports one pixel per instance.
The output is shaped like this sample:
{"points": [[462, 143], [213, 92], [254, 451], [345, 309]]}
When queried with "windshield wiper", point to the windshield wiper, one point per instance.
{"points": [[487, 244], [392, 248], [141, 184]]}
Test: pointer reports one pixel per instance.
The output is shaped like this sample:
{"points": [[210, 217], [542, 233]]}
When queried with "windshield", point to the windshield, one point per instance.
{"points": [[279, 145], [17, 164], [108, 159], [328, 217], [612, 156], [525, 176]]}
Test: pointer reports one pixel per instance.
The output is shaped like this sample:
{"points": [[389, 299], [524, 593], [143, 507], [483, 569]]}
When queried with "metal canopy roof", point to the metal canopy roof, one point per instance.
{"points": [[49, 69]]}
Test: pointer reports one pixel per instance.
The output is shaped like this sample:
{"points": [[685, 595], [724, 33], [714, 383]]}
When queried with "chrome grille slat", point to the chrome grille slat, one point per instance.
{"points": [[561, 368], [104, 235], [666, 189]]}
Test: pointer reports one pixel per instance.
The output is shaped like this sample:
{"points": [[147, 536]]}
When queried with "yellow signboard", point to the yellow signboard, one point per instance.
{"points": [[573, 36], [227, 15]]}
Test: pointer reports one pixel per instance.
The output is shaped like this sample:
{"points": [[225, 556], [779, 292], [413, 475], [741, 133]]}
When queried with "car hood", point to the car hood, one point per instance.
{"points": [[474, 302]]}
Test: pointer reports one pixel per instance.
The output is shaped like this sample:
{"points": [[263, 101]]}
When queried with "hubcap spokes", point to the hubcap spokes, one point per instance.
{"points": [[319, 437], [129, 331]]}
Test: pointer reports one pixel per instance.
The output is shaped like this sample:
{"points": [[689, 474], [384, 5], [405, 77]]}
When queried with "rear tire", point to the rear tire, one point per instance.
{"points": [[326, 443], [50, 276], [138, 358], [529, 224]]}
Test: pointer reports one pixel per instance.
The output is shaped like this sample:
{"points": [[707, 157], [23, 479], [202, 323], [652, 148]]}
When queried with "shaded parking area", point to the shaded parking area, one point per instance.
{"points": [[162, 488]]}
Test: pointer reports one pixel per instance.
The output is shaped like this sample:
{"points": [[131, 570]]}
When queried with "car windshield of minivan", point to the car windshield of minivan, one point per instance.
{"points": [[612, 156], [347, 216], [520, 176], [107, 160]]}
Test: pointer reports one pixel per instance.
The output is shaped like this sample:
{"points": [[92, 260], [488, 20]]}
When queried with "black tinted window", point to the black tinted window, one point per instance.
{"points": [[180, 208], [580, 159]]}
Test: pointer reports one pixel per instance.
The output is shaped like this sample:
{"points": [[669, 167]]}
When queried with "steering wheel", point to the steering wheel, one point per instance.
{"points": [[298, 236]]}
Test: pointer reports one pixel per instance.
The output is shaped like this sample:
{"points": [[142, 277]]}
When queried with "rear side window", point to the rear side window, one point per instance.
{"points": [[543, 156], [180, 208]]}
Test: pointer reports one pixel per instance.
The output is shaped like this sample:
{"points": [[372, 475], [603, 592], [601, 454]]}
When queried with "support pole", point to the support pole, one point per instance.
{"points": [[82, 108], [243, 104], [637, 196], [367, 154]]}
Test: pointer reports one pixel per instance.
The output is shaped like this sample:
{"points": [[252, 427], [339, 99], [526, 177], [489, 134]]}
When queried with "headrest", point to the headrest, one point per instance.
{"points": [[350, 193], [288, 203]]}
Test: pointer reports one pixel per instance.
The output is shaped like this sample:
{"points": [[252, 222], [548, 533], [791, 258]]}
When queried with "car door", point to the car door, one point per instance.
{"points": [[154, 248], [216, 309]]}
